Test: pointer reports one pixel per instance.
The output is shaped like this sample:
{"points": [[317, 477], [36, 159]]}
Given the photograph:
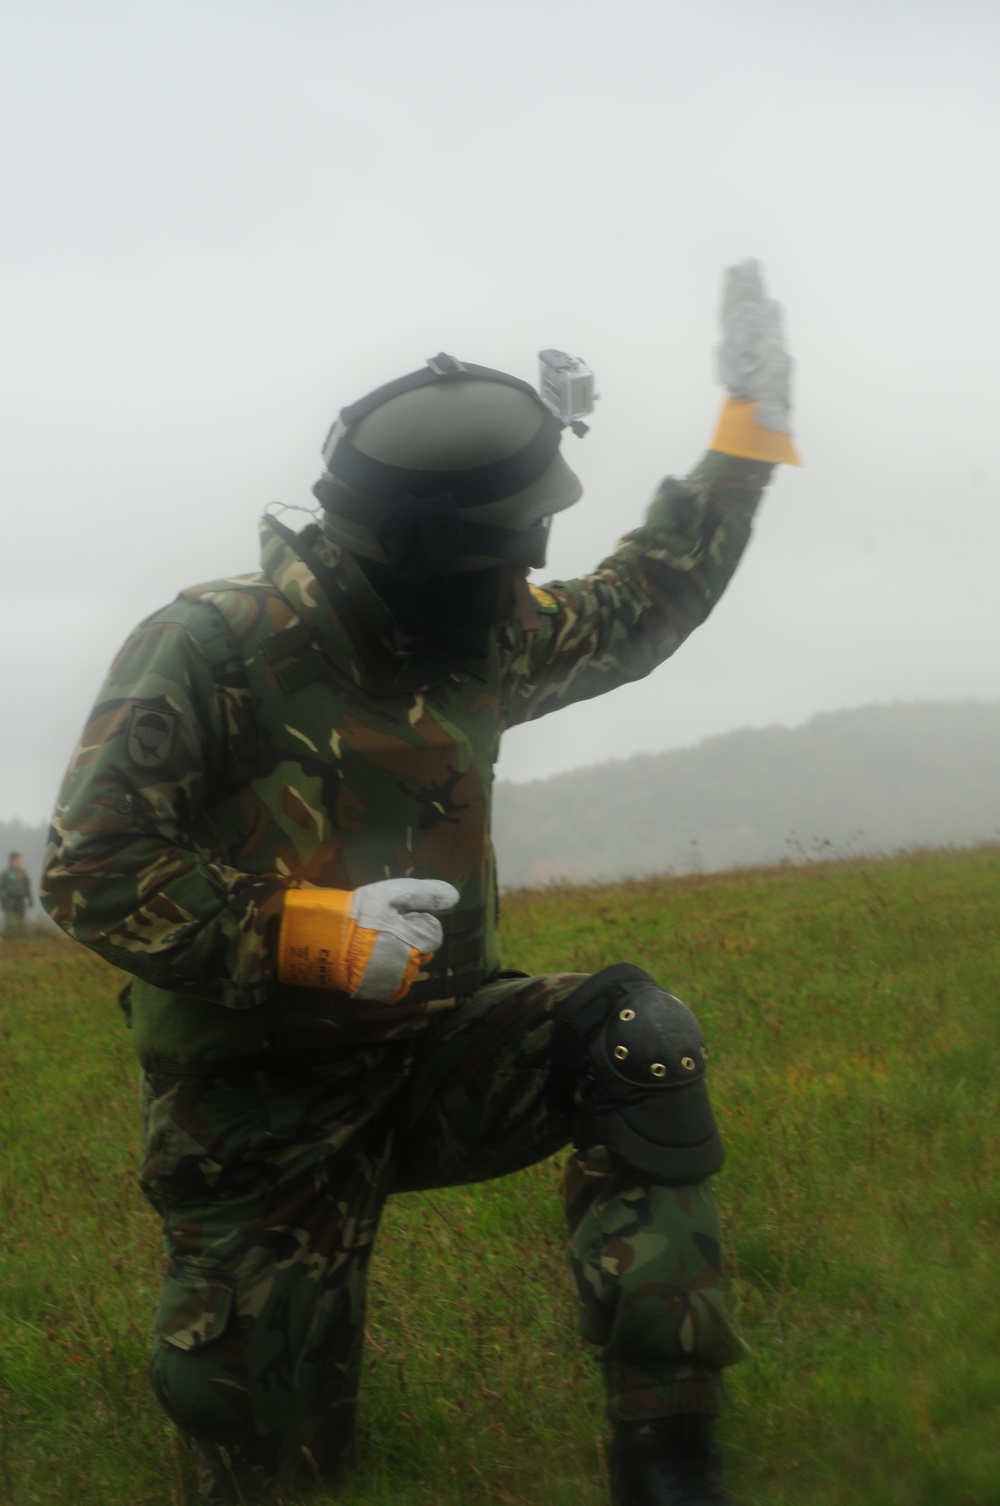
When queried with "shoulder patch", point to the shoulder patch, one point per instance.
{"points": [[150, 739], [544, 601]]}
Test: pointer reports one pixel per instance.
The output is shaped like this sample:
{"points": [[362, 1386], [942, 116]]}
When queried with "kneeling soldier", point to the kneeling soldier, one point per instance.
{"points": [[278, 823]]}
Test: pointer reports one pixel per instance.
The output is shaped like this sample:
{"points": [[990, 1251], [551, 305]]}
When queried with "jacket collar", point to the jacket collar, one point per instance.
{"points": [[334, 599]]}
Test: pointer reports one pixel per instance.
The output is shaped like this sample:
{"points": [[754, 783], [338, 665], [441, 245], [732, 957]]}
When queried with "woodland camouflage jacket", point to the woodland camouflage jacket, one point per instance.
{"points": [[267, 731]]}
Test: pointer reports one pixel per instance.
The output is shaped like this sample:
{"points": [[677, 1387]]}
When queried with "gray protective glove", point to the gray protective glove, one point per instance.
{"points": [[369, 943], [756, 370], [753, 364], [403, 913]]}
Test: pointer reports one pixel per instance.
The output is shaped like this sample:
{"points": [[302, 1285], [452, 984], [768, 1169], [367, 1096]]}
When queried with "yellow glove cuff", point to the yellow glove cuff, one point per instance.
{"points": [[319, 944], [737, 434]]}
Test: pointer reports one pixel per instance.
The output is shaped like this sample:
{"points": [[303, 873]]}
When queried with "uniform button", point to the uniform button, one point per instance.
{"points": [[123, 807]]}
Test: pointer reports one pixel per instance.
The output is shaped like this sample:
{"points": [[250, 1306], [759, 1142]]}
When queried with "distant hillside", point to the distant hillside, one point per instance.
{"points": [[875, 779]]}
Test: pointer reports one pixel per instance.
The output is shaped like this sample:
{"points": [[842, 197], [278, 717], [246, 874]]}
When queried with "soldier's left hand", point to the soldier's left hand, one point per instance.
{"points": [[369, 942], [396, 933]]}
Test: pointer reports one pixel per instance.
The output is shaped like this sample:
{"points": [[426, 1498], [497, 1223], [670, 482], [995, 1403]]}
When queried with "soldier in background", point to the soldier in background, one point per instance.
{"points": [[15, 897], [277, 822]]}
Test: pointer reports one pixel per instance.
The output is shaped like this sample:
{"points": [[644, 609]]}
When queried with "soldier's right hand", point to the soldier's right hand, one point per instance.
{"points": [[369, 943], [756, 370]]}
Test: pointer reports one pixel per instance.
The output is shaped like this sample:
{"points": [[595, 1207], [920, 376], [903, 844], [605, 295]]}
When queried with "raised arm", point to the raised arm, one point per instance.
{"points": [[663, 579]]}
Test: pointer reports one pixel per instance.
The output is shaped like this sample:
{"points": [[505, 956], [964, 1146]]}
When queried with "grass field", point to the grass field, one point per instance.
{"points": [[854, 1014]]}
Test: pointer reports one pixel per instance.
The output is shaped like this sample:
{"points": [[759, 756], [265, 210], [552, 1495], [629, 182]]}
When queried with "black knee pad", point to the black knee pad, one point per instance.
{"points": [[629, 1067]]}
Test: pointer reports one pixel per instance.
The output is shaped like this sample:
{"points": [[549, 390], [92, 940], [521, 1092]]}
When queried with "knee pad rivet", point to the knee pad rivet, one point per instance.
{"points": [[687, 1062], [658, 1069], [621, 1052], [627, 1014]]}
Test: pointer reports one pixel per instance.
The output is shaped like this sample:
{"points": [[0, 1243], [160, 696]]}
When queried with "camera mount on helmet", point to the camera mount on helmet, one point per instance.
{"points": [[567, 388]]}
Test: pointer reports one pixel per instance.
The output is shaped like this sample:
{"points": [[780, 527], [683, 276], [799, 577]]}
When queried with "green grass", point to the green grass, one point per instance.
{"points": [[854, 1016]]}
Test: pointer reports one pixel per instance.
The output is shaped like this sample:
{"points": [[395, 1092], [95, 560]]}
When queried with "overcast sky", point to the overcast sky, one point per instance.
{"points": [[225, 219]]}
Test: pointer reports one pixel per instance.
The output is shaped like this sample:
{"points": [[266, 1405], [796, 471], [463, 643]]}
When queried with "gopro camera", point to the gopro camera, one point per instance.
{"points": [[566, 385]]}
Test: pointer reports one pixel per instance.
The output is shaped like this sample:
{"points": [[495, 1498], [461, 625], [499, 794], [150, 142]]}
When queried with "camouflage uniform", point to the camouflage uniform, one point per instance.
{"points": [[15, 900], [271, 731]]}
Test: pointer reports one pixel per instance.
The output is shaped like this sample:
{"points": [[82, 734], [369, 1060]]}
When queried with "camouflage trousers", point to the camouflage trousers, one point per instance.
{"points": [[13, 925], [270, 1184]]}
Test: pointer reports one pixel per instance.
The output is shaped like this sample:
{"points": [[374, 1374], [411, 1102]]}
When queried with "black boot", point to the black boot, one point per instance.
{"points": [[669, 1461]]}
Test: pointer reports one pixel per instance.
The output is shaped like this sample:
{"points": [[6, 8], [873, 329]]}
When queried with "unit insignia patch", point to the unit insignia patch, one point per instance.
{"points": [[543, 600], [150, 738]]}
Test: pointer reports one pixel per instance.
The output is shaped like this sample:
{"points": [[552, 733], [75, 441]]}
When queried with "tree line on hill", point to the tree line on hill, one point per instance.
{"points": [[875, 779]]}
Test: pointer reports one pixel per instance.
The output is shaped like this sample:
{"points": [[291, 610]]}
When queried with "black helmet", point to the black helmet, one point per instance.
{"points": [[450, 469]]}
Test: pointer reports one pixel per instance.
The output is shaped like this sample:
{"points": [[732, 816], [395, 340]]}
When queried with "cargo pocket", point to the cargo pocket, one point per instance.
{"points": [[197, 1370], [195, 1307]]}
